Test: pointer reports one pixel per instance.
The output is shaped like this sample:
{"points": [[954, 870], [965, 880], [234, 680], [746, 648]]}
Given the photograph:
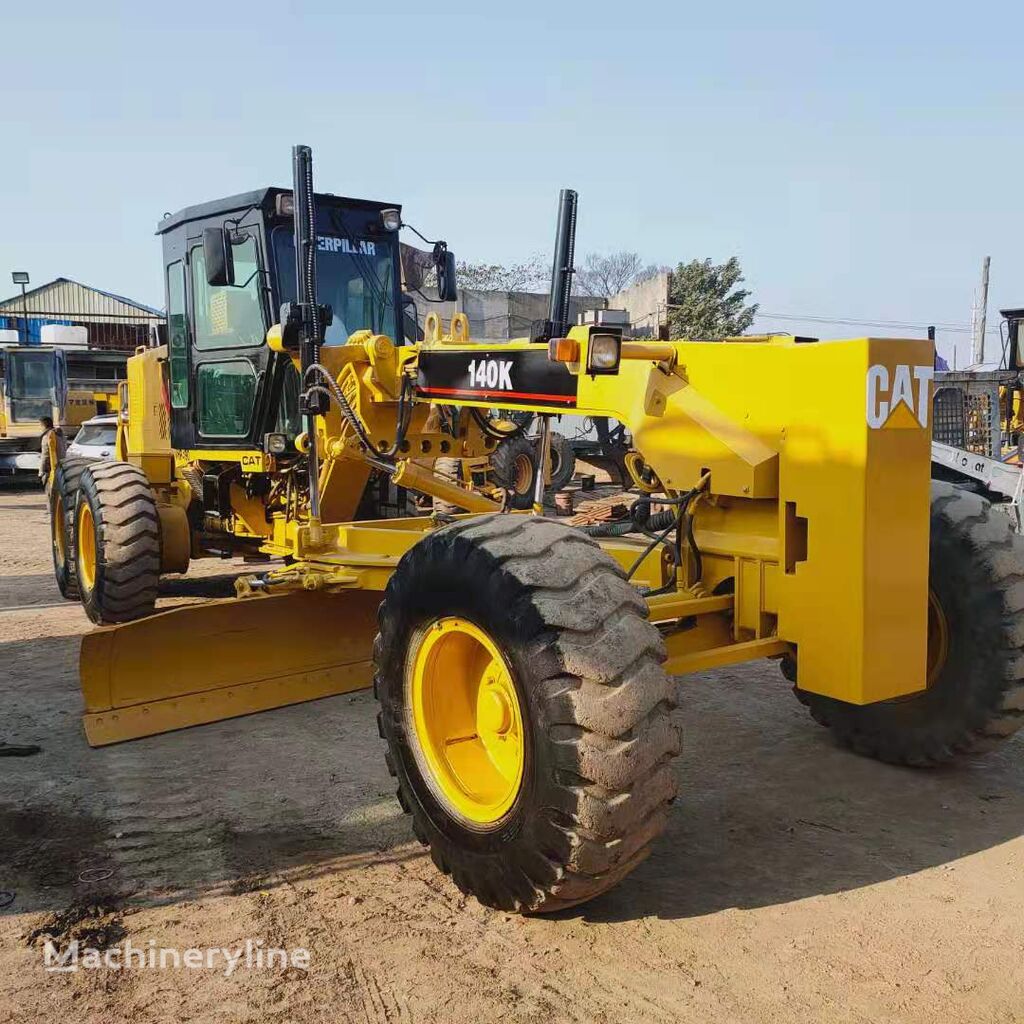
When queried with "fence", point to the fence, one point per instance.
{"points": [[966, 411]]}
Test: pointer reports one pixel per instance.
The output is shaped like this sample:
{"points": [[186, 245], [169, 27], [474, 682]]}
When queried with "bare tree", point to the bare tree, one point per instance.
{"points": [[502, 277], [608, 274]]}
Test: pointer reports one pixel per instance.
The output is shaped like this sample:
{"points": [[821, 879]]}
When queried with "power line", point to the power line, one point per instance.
{"points": [[893, 324]]}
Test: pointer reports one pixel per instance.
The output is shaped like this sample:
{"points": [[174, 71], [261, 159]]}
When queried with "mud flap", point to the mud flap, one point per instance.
{"points": [[221, 659]]}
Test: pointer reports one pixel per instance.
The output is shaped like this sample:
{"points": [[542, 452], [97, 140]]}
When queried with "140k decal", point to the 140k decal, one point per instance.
{"points": [[491, 373]]}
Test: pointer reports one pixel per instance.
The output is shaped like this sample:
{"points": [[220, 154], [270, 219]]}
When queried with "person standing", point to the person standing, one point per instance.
{"points": [[52, 447]]}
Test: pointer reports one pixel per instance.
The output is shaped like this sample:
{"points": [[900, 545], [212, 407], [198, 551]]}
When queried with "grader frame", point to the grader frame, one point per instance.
{"points": [[812, 530], [524, 669]]}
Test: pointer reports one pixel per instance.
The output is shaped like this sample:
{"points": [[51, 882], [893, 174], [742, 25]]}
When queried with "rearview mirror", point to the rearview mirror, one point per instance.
{"points": [[220, 262], [444, 263]]}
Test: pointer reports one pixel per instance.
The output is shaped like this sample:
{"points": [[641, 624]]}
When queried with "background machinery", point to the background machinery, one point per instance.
{"points": [[37, 380], [523, 668]]}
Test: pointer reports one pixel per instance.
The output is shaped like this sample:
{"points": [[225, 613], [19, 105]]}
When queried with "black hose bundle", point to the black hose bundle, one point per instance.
{"points": [[640, 521], [678, 518]]}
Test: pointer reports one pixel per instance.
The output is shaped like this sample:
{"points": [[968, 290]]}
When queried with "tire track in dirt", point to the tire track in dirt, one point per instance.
{"points": [[164, 835]]}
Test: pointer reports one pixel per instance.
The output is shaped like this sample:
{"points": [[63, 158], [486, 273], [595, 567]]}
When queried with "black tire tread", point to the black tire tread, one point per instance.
{"points": [[606, 711], [991, 712], [451, 468], [503, 472], [130, 539], [564, 469], [65, 489]]}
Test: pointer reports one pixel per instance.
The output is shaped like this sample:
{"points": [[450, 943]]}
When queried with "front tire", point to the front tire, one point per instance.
{"points": [[975, 694], [117, 543], [526, 711]]}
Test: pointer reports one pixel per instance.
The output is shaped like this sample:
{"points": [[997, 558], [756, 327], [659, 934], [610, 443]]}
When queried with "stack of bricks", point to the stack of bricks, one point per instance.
{"points": [[611, 509]]}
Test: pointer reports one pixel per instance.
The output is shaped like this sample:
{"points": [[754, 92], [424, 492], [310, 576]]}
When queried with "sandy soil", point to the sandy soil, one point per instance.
{"points": [[796, 882]]}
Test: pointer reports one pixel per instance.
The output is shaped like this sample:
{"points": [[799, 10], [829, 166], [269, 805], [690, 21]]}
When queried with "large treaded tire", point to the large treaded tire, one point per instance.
{"points": [[977, 698], [563, 462], [596, 703], [63, 495], [514, 468], [126, 529]]}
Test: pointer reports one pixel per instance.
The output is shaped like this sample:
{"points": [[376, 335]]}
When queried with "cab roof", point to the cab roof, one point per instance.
{"points": [[265, 199]]}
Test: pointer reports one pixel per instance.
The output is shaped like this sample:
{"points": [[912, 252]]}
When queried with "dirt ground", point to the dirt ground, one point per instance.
{"points": [[796, 881]]}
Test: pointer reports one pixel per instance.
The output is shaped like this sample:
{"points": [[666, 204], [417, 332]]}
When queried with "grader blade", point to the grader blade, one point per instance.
{"points": [[221, 659]]}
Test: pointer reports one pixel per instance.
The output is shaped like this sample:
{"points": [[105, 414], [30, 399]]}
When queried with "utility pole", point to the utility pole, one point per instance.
{"points": [[981, 312]]}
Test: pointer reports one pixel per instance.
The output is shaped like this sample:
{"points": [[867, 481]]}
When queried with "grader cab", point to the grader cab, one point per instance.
{"points": [[523, 668]]}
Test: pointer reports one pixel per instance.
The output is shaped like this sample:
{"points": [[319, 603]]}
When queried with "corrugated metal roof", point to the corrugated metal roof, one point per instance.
{"points": [[84, 303]]}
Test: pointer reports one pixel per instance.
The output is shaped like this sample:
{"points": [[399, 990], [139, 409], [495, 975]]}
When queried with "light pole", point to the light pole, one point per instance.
{"points": [[21, 277]]}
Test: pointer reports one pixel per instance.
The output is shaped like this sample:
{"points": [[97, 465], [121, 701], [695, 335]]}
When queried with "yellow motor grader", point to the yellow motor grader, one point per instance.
{"points": [[523, 668]]}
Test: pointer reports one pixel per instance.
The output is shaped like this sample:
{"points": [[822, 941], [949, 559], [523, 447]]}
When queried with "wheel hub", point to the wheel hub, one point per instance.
{"points": [[523, 474], [59, 526], [938, 637], [86, 547], [467, 724]]}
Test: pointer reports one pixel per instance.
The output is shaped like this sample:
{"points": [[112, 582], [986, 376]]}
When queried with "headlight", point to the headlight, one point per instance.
{"points": [[604, 353], [391, 219], [276, 443]]}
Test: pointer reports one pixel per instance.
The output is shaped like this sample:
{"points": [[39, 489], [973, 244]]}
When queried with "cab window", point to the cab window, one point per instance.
{"points": [[226, 393], [177, 335], [229, 316], [289, 419]]}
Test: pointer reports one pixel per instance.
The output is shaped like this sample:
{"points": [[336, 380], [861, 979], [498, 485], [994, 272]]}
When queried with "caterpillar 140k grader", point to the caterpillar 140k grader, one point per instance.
{"points": [[523, 668]]}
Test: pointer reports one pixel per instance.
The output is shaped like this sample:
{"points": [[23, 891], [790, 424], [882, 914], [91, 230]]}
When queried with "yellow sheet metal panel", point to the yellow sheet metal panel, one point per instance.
{"points": [[680, 425], [148, 416], [854, 465]]}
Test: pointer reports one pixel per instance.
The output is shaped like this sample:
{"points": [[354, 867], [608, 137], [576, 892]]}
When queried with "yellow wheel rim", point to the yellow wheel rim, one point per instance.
{"points": [[86, 547], [523, 474], [58, 530], [467, 723], [938, 637]]}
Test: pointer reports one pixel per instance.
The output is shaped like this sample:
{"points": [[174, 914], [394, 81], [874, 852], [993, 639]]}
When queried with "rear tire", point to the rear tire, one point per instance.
{"points": [[563, 462], [117, 543], [63, 495], [975, 699], [592, 699], [514, 468]]}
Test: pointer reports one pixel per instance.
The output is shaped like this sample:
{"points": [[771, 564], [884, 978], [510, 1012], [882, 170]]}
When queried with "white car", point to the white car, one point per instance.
{"points": [[95, 438]]}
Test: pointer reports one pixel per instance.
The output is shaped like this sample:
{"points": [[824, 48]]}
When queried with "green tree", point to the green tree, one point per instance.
{"points": [[706, 302]]}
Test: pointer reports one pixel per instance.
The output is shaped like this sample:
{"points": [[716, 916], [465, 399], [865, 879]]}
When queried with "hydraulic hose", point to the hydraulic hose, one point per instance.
{"points": [[346, 409], [640, 520]]}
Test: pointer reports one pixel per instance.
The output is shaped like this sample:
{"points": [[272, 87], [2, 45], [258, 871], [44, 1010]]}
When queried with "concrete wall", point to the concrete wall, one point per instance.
{"points": [[499, 316], [646, 303]]}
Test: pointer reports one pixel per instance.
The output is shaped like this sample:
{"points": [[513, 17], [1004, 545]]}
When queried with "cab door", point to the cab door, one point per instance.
{"points": [[218, 353]]}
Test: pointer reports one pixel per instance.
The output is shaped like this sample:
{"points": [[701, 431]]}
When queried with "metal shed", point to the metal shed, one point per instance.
{"points": [[113, 321]]}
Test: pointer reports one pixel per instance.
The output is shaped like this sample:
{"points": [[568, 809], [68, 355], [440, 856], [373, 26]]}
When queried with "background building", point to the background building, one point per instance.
{"points": [[112, 321]]}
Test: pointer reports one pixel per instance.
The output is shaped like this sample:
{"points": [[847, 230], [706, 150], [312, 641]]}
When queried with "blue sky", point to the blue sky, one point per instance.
{"points": [[860, 159]]}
